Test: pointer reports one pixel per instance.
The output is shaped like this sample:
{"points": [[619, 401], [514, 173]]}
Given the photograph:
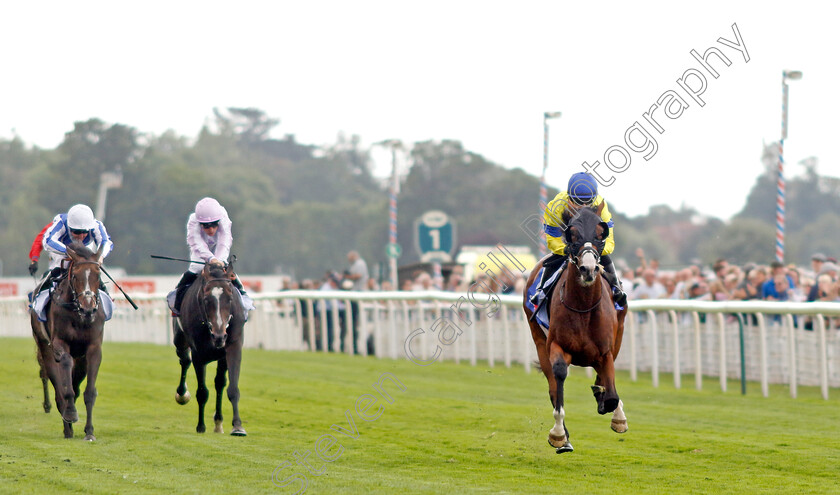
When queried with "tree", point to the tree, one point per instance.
{"points": [[90, 149], [249, 125], [741, 241]]}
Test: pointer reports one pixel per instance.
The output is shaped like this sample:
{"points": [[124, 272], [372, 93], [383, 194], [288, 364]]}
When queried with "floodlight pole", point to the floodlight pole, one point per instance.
{"points": [[543, 187]]}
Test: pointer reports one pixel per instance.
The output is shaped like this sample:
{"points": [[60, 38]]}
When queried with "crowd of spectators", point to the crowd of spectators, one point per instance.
{"points": [[725, 281], [722, 281], [729, 282]]}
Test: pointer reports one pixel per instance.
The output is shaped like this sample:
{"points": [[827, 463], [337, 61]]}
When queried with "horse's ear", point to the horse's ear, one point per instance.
{"points": [[229, 266], [566, 216], [567, 235], [99, 252], [604, 232], [71, 252], [599, 208]]}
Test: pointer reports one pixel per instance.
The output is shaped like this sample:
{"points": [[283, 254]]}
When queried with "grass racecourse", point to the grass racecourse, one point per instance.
{"points": [[455, 429]]}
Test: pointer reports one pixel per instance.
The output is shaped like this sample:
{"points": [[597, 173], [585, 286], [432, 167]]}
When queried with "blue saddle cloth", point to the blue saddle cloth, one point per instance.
{"points": [[537, 296]]}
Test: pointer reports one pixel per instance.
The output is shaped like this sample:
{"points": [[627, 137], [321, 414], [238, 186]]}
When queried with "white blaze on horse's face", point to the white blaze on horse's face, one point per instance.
{"points": [[588, 262], [87, 297], [217, 293]]}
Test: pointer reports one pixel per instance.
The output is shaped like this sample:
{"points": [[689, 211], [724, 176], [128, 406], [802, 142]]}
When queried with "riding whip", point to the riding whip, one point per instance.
{"points": [[177, 259], [118, 287]]}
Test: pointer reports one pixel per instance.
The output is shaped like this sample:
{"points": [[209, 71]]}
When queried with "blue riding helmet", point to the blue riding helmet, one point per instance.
{"points": [[582, 188]]}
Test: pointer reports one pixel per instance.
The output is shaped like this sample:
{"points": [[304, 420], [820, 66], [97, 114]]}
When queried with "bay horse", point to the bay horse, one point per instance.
{"points": [[211, 328], [585, 329], [69, 343]]}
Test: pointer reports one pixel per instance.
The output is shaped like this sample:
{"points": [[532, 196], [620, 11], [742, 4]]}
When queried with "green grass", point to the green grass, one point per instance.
{"points": [[456, 429]]}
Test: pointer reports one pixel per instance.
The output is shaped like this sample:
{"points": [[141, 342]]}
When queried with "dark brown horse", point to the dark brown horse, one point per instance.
{"points": [[584, 328], [211, 328], [70, 341]]}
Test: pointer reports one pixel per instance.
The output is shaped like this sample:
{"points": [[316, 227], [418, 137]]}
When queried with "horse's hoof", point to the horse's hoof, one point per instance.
{"points": [[567, 447], [200, 429], [218, 428], [182, 399], [557, 442], [47, 408], [619, 425], [238, 432], [90, 438]]}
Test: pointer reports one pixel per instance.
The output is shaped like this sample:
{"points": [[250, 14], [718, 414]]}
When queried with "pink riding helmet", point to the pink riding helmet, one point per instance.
{"points": [[208, 210]]}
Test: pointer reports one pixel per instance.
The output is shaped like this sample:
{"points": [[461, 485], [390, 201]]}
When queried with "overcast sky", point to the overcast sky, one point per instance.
{"points": [[479, 72]]}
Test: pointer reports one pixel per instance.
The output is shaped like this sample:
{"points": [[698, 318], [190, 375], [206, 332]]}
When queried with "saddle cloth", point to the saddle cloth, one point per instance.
{"points": [[538, 294], [40, 303]]}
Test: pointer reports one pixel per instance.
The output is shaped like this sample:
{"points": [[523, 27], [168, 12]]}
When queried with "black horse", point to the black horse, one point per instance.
{"points": [[69, 343], [211, 328]]}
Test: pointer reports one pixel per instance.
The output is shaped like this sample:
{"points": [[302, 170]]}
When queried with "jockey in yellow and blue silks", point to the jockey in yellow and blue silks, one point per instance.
{"points": [[581, 192]]}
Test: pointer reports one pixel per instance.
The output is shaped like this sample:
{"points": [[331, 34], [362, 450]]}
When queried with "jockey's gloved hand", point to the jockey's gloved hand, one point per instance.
{"points": [[33, 267], [217, 262]]}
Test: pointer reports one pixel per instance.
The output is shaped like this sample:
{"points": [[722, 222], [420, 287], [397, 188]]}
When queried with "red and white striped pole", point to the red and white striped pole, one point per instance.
{"points": [[780, 182], [543, 188]]}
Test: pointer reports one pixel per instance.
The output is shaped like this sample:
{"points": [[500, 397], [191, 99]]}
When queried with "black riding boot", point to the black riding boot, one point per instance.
{"points": [[186, 280], [551, 265], [52, 275], [238, 284], [609, 274]]}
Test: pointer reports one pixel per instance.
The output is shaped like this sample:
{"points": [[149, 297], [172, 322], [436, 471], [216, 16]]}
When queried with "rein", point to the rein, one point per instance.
{"points": [[582, 311]]}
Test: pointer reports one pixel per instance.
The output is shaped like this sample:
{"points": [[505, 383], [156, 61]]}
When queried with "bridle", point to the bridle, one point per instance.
{"points": [[74, 305], [203, 310], [587, 248], [574, 258]]}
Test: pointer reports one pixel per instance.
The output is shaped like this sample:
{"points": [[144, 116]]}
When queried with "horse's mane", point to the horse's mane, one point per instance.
{"points": [[216, 271], [81, 250]]}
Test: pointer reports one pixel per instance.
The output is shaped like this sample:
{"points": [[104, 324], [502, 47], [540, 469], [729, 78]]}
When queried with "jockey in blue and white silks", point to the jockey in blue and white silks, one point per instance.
{"points": [[79, 225]]}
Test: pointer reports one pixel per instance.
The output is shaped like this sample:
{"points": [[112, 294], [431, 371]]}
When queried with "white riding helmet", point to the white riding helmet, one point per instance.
{"points": [[208, 210], [80, 217]]}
